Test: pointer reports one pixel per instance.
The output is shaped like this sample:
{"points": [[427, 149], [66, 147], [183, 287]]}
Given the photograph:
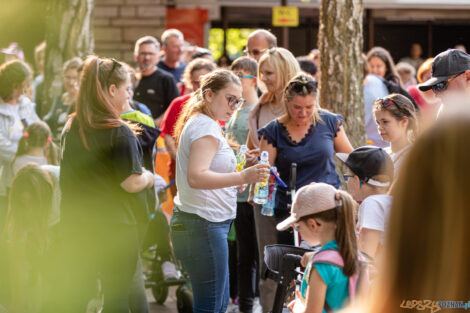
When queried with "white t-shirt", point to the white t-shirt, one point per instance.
{"points": [[374, 213], [214, 205], [397, 159], [25, 159]]}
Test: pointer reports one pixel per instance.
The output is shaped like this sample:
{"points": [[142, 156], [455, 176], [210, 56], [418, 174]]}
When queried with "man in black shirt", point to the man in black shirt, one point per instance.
{"points": [[156, 88]]}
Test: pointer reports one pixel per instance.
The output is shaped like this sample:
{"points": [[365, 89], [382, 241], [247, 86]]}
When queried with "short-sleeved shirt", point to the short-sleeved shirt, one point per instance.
{"points": [[337, 284], [314, 154], [214, 205], [24, 159], [90, 179], [172, 113], [177, 72], [237, 129], [156, 91], [374, 212]]}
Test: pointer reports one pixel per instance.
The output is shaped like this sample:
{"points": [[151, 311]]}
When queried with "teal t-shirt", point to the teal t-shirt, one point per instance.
{"points": [[237, 130], [337, 284]]}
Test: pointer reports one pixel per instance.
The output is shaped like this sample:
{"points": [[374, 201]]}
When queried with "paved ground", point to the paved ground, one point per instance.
{"points": [[168, 307]]}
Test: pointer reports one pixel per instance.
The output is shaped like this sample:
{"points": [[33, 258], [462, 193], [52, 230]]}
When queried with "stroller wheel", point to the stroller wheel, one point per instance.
{"points": [[184, 299], [159, 291]]}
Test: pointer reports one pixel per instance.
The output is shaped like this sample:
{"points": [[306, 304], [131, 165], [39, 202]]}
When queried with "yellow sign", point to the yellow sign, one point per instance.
{"points": [[286, 16]]}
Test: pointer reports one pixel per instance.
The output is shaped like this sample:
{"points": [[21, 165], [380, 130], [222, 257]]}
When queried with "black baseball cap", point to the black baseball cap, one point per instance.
{"points": [[444, 65], [367, 162]]}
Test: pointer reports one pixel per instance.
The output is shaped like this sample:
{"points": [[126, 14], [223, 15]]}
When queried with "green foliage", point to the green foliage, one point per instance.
{"points": [[236, 42]]}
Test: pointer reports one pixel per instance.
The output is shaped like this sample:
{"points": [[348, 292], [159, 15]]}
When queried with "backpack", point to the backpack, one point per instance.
{"points": [[358, 283], [393, 87]]}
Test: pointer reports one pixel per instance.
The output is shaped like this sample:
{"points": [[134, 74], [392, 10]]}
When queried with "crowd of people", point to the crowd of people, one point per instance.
{"points": [[78, 190]]}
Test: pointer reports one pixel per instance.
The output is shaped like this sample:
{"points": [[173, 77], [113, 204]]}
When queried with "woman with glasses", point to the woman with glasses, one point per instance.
{"points": [[16, 112], [101, 176], [64, 103], [207, 195], [306, 135]]}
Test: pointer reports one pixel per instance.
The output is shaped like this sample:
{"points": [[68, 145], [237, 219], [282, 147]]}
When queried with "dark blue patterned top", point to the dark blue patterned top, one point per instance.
{"points": [[314, 154]]}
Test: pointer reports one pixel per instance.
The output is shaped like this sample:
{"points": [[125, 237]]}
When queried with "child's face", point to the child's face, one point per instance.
{"points": [[390, 129], [307, 232], [354, 186]]}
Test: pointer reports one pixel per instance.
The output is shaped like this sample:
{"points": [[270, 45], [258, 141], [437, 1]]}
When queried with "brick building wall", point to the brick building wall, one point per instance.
{"points": [[119, 23]]}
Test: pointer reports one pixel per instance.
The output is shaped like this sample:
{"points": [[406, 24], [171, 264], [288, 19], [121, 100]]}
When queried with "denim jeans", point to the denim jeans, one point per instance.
{"points": [[202, 247]]}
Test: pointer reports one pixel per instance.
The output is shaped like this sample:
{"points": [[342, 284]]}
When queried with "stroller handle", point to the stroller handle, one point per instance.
{"points": [[293, 175]]}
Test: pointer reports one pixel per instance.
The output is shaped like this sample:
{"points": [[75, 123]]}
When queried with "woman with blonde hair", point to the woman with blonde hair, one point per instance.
{"points": [[206, 202], [305, 135], [275, 68], [426, 254]]}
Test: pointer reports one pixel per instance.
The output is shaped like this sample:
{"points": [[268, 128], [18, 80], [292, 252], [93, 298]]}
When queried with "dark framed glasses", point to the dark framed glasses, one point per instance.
{"points": [[386, 102], [254, 52], [442, 86], [346, 177], [298, 86], [234, 102]]}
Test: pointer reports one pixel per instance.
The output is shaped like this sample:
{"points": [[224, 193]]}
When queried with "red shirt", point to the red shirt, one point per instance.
{"points": [[172, 113]]}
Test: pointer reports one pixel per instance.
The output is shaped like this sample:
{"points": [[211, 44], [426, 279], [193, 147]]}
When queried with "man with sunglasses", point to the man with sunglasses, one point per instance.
{"points": [[259, 41], [450, 79]]}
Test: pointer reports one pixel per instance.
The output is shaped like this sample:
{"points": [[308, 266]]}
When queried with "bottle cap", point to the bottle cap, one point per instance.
{"points": [[243, 149], [264, 156]]}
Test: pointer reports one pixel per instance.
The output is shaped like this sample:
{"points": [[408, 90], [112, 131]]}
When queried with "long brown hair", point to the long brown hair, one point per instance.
{"points": [[401, 107], [426, 254], [93, 108], [383, 54], [215, 81], [345, 235]]}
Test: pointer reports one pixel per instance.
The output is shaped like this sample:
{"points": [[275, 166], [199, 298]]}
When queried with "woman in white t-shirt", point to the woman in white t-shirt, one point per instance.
{"points": [[207, 197]]}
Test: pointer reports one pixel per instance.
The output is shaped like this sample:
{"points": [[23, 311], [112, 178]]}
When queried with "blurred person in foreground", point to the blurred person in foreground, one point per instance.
{"points": [[428, 260]]}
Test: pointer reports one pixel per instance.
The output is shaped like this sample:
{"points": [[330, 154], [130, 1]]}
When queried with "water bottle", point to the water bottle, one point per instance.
{"points": [[268, 207], [261, 188], [241, 158]]}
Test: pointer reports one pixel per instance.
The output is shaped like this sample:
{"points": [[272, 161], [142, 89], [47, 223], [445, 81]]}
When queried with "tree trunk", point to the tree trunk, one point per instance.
{"points": [[341, 65], [68, 34]]}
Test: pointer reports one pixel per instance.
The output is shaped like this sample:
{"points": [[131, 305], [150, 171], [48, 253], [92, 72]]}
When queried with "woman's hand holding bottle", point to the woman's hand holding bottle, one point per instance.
{"points": [[255, 174]]}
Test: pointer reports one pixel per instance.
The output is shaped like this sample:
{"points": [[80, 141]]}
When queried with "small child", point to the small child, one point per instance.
{"points": [[321, 213], [397, 121], [368, 178], [35, 146], [27, 237]]}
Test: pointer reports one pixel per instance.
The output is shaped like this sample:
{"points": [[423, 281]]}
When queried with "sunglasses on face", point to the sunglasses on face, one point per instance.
{"points": [[298, 87], [234, 102], [442, 86]]}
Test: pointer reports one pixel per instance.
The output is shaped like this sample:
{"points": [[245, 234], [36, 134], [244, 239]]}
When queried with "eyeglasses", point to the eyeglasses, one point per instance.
{"points": [[442, 86], [254, 52], [346, 177], [298, 86], [115, 65], [241, 75], [234, 102]]}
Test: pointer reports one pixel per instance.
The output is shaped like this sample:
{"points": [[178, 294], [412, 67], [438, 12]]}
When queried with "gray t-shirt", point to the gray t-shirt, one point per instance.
{"points": [[25, 159]]}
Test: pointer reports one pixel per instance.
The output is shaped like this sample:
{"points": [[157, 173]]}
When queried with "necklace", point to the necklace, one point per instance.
{"points": [[275, 112]]}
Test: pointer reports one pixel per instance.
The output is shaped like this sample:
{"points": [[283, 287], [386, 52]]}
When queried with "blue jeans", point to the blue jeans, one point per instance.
{"points": [[202, 247]]}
